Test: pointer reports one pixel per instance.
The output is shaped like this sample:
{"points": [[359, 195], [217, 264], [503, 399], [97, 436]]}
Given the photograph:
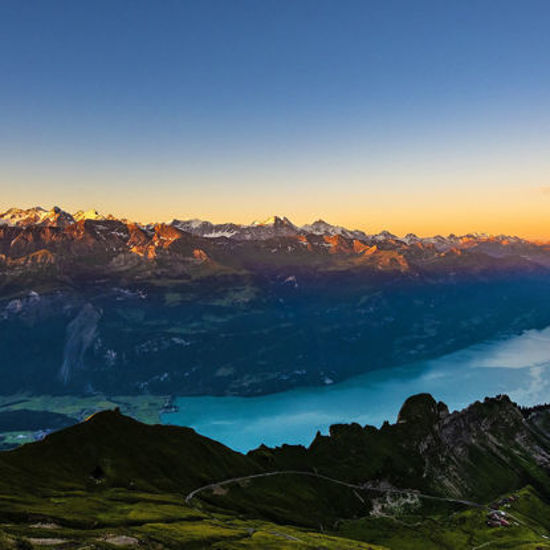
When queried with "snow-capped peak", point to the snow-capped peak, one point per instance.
{"points": [[274, 220], [35, 216], [273, 227], [91, 214], [318, 226], [384, 235], [20, 216], [56, 217], [321, 227], [411, 238]]}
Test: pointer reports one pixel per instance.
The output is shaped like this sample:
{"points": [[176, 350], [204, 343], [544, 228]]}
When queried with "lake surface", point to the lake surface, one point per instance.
{"points": [[518, 366]]}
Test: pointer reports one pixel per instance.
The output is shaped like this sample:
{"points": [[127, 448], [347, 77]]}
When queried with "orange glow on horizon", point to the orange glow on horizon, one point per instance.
{"points": [[425, 209]]}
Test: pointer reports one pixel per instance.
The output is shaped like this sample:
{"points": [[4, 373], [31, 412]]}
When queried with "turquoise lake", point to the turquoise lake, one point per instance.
{"points": [[518, 366]]}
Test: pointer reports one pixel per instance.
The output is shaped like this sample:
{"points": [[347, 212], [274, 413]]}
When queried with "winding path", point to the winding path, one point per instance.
{"points": [[212, 486]]}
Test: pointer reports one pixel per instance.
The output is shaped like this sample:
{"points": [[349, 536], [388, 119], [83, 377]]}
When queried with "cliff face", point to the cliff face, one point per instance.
{"points": [[477, 453]]}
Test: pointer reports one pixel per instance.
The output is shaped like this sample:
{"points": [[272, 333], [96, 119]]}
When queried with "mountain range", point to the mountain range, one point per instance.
{"points": [[274, 226], [474, 478], [93, 303], [93, 306], [86, 245]]}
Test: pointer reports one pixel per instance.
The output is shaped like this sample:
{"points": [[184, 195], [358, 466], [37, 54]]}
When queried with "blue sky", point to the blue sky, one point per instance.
{"points": [[424, 116]]}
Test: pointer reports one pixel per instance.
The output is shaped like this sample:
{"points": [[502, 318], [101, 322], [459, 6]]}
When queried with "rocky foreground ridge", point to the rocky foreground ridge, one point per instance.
{"points": [[434, 479]]}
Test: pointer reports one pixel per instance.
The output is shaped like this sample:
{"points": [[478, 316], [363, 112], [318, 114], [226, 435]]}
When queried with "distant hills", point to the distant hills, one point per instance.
{"points": [[434, 480]]}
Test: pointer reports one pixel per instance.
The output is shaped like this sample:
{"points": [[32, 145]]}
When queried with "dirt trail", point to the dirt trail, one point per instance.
{"points": [[214, 486]]}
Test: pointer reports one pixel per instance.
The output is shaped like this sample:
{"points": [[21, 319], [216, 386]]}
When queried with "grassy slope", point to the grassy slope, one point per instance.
{"points": [[461, 530], [155, 521], [164, 521], [128, 454], [48, 490]]}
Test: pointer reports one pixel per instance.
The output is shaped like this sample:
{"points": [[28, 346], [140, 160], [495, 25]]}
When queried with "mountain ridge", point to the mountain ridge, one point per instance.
{"points": [[57, 217], [89, 245], [111, 478]]}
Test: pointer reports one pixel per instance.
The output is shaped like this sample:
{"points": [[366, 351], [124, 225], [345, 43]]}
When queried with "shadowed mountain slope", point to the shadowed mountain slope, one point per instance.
{"points": [[112, 450]]}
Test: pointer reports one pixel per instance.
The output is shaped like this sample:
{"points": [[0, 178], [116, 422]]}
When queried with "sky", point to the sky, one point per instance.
{"points": [[425, 116]]}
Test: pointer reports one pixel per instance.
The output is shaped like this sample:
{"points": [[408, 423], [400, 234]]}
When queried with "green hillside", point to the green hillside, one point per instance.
{"points": [[473, 479]]}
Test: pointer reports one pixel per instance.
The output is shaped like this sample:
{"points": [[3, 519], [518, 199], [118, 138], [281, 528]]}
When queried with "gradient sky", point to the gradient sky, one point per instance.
{"points": [[424, 116]]}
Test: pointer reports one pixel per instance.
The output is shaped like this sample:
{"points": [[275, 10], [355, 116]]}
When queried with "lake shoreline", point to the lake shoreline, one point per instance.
{"points": [[516, 366]]}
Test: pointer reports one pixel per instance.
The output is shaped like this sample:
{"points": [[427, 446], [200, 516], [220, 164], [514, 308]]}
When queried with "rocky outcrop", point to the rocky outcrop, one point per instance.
{"points": [[477, 453], [81, 332]]}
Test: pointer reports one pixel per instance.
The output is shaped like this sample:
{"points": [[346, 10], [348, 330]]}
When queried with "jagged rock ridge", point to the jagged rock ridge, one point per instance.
{"points": [[90, 244]]}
